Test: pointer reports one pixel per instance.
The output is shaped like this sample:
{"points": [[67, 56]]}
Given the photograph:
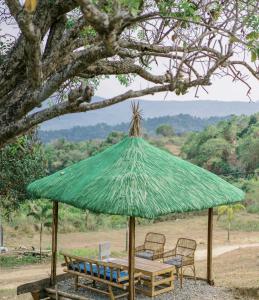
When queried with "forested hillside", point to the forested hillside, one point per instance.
{"points": [[181, 123], [152, 109], [230, 147]]}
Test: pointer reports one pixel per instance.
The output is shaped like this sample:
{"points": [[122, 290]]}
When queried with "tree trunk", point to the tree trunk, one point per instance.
{"points": [[228, 231], [1, 233], [40, 238]]}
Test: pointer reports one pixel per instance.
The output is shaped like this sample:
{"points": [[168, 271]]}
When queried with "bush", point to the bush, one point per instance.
{"points": [[7, 261]]}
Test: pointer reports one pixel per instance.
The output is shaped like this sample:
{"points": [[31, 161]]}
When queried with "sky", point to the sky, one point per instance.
{"points": [[223, 89]]}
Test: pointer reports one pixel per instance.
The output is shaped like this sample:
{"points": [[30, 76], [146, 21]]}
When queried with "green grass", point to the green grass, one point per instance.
{"points": [[240, 224], [253, 208], [7, 261]]}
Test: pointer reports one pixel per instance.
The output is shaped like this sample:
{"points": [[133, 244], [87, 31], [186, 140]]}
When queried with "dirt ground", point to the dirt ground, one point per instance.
{"points": [[232, 267]]}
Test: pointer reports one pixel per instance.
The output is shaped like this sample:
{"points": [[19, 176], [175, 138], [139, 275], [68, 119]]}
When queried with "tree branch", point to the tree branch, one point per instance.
{"points": [[33, 40], [77, 106]]}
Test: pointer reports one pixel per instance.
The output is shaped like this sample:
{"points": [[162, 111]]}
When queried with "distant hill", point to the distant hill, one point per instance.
{"points": [[121, 112], [181, 123]]}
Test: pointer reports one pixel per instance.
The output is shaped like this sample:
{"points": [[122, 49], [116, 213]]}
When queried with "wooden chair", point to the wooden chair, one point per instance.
{"points": [[182, 256], [107, 273], [153, 247]]}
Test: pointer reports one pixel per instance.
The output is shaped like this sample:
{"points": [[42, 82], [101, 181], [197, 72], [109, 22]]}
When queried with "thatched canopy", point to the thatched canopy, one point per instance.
{"points": [[134, 178]]}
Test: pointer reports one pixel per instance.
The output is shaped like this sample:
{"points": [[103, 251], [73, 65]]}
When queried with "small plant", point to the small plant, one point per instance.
{"points": [[42, 214], [229, 211]]}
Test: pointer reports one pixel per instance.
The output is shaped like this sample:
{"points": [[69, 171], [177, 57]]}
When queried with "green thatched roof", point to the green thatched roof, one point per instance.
{"points": [[135, 178]]}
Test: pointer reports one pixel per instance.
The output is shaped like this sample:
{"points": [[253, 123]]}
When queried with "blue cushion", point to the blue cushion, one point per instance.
{"points": [[176, 261], [81, 265], [147, 254]]}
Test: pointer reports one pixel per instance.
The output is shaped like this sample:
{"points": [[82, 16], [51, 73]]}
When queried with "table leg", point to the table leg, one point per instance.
{"points": [[152, 286], [172, 282]]}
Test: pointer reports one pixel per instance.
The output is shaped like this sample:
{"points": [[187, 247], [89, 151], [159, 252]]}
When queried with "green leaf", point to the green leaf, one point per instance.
{"points": [[253, 56], [70, 23], [252, 36]]}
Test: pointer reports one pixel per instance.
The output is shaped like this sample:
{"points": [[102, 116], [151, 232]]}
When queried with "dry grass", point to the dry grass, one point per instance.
{"points": [[236, 269], [195, 227]]}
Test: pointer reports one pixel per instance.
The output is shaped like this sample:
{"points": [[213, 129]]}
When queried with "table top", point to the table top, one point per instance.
{"points": [[145, 266]]}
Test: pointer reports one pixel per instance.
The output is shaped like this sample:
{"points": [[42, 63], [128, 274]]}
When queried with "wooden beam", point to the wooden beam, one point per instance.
{"points": [[54, 243], [131, 295], [64, 295], [209, 247]]}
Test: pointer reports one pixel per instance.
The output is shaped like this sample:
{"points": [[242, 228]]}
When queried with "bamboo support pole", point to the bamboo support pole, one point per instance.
{"points": [[209, 247], [131, 258], [54, 243]]}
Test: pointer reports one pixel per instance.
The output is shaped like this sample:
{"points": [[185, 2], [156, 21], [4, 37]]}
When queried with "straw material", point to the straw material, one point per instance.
{"points": [[134, 178], [135, 128]]}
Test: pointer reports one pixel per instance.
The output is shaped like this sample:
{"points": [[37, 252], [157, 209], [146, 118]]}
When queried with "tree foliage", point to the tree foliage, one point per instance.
{"points": [[62, 153], [165, 130], [65, 48], [42, 214], [20, 163], [229, 211], [230, 147]]}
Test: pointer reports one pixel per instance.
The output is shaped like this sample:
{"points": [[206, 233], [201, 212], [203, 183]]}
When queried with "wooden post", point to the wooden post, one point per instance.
{"points": [[1, 235], [54, 243], [209, 247], [127, 239], [131, 258]]}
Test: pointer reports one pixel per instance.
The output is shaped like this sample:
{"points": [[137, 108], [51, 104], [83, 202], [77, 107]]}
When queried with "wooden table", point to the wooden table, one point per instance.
{"points": [[157, 278]]}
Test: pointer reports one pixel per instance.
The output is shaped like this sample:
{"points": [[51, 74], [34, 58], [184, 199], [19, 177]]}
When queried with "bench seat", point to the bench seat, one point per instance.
{"points": [[107, 273], [81, 268]]}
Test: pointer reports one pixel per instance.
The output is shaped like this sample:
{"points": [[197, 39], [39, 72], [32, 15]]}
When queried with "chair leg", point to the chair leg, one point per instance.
{"points": [[111, 293], [177, 273], [76, 282], [194, 272], [181, 278]]}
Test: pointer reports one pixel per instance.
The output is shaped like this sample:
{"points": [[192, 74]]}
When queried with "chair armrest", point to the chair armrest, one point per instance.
{"points": [[169, 254], [139, 248]]}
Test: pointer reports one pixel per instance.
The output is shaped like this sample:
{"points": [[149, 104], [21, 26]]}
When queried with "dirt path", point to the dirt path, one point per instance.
{"points": [[11, 278], [217, 251]]}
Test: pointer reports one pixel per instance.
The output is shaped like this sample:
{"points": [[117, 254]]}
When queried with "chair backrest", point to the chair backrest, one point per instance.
{"points": [[155, 241], [186, 247]]}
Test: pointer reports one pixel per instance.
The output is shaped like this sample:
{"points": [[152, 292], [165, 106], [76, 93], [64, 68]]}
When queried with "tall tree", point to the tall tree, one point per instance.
{"points": [[229, 211], [42, 213], [165, 130], [65, 46], [20, 163]]}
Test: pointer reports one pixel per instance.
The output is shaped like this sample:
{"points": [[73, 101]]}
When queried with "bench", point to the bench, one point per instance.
{"points": [[107, 273]]}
